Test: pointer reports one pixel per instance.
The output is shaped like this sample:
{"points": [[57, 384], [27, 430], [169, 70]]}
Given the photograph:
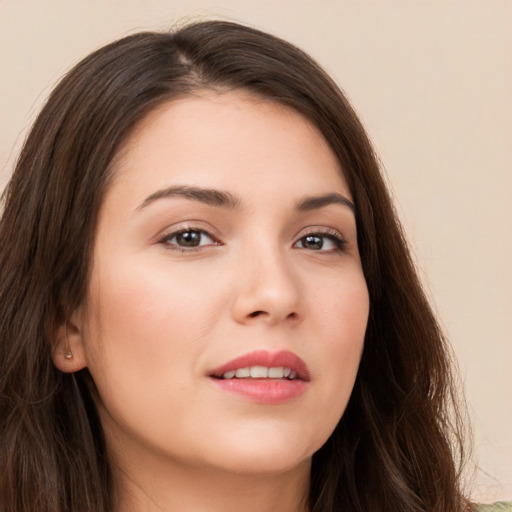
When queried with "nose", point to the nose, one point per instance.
{"points": [[267, 290]]}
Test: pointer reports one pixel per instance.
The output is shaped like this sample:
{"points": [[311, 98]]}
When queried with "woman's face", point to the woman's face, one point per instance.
{"points": [[226, 245]]}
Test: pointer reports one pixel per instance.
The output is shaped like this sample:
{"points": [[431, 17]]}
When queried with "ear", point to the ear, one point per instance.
{"points": [[68, 351]]}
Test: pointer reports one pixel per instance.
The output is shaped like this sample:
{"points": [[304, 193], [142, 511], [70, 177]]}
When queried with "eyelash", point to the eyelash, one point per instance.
{"points": [[165, 240], [334, 236]]}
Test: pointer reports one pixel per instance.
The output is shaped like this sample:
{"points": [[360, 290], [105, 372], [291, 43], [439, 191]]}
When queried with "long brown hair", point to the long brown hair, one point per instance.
{"points": [[398, 445]]}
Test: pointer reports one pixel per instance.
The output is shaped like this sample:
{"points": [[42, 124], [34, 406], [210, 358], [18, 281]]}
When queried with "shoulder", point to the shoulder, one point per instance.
{"points": [[500, 506]]}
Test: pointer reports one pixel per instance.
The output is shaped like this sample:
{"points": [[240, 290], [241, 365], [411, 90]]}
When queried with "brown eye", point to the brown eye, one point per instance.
{"points": [[313, 242], [188, 239], [322, 242]]}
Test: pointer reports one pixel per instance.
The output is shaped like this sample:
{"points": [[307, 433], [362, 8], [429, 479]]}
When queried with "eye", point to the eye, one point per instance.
{"points": [[322, 242], [188, 239]]}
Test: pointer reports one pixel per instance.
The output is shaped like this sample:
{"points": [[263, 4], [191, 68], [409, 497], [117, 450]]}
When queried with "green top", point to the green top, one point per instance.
{"points": [[502, 506]]}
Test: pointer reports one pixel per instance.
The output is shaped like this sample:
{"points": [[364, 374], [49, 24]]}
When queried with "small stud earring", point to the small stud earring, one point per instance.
{"points": [[68, 355]]}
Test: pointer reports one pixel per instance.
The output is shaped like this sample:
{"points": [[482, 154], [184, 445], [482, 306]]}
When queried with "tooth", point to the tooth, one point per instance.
{"points": [[259, 372], [293, 375], [228, 375], [286, 372], [276, 373], [242, 373]]}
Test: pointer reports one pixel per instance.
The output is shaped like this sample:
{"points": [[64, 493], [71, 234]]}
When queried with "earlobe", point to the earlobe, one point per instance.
{"points": [[68, 352]]}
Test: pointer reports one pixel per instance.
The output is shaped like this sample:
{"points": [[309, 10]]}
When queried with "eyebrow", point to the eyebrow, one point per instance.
{"points": [[223, 199], [208, 196], [316, 202]]}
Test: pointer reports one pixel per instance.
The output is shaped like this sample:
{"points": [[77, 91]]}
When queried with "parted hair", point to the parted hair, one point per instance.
{"points": [[398, 446]]}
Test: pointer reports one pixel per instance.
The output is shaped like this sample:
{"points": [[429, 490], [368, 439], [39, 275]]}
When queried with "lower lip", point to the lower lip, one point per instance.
{"points": [[264, 391]]}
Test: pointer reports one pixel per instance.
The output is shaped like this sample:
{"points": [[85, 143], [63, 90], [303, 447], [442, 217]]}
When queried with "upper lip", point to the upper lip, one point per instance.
{"points": [[282, 358]]}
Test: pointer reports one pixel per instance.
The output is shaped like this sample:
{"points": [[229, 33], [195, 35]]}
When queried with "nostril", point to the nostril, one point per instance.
{"points": [[255, 314]]}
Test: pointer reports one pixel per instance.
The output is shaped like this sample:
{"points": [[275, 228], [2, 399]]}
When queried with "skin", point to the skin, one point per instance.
{"points": [[159, 317]]}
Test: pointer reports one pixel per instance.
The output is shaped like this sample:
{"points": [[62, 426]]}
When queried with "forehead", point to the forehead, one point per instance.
{"points": [[229, 140]]}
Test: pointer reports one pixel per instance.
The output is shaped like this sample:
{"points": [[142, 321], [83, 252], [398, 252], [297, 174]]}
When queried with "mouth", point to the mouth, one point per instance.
{"points": [[264, 365], [264, 377], [261, 372]]}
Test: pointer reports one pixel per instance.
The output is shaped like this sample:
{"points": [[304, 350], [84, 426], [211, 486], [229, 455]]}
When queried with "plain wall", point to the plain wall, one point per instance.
{"points": [[432, 81]]}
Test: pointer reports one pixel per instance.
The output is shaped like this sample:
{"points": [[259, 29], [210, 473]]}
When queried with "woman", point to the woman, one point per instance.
{"points": [[207, 300]]}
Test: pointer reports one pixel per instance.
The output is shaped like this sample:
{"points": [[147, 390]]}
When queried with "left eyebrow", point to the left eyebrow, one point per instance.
{"points": [[316, 202]]}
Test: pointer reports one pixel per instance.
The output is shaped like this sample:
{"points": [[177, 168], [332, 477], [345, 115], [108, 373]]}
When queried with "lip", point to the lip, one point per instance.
{"points": [[283, 358], [265, 391]]}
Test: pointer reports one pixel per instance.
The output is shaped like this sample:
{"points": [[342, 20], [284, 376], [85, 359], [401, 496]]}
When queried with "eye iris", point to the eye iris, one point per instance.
{"points": [[188, 238], [312, 242]]}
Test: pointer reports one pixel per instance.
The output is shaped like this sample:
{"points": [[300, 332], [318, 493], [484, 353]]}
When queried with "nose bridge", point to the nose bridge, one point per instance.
{"points": [[268, 287]]}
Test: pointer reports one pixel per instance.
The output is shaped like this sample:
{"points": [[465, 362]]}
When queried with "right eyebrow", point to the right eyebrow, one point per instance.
{"points": [[213, 197]]}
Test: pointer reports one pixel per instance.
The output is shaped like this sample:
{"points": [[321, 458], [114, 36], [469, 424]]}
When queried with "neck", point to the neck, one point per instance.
{"points": [[156, 489]]}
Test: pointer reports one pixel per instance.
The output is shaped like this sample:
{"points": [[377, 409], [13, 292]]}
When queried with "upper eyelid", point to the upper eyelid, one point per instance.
{"points": [[182, 227], [336, 236], [171, 234], [209, 230], [165, 241], [312, 230], [176, 232]]}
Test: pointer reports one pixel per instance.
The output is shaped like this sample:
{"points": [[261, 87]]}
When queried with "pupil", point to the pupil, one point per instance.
{"points": [[313, 242], [189, 238]]}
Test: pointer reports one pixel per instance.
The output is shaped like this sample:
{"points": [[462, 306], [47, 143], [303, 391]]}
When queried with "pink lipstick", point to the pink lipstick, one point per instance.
{"points": [[264, 377]]}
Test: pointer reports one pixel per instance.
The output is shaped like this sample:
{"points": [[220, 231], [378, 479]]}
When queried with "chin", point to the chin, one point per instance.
{"points": [[266, 452], [268, 464]]}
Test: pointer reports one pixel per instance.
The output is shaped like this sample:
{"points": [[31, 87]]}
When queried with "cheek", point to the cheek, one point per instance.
{"points": [[146, 332], [150, 301], [146, 325], [340, 310], [341, 316]]}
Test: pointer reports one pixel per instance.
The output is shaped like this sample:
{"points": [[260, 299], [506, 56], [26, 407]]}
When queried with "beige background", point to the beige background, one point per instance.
{"points": [[432, 81]]}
